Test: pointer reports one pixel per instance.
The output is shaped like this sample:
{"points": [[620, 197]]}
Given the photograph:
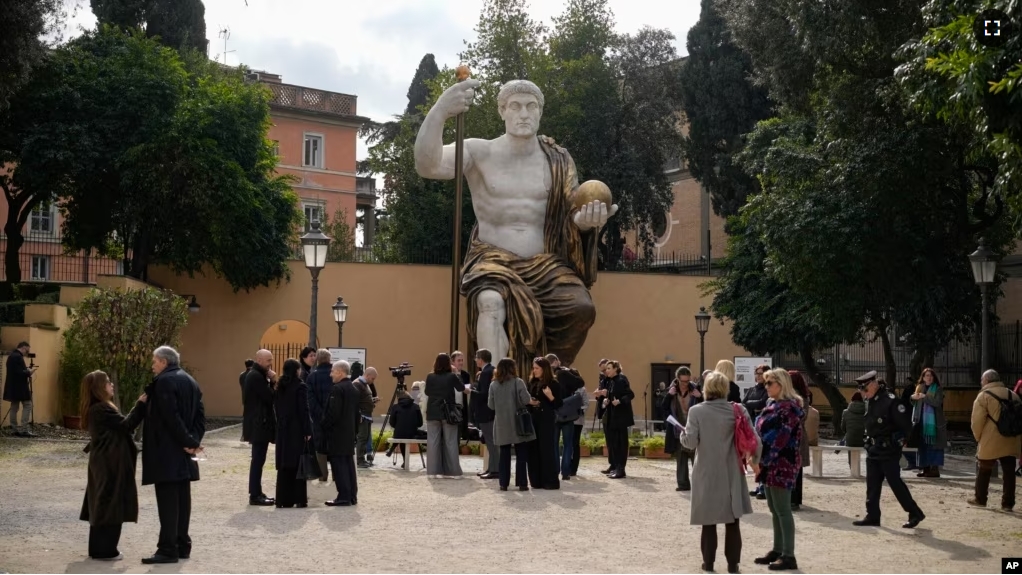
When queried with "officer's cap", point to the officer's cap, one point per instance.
{"points": [[866, 378]]}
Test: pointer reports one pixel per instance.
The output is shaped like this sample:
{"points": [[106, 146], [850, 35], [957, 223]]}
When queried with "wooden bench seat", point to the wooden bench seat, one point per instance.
{"points": [[420, 442], [816, 457]]}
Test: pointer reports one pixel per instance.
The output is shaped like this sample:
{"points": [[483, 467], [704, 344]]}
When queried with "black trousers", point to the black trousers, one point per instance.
{"points": [[255, 469], [291, 491], [876, 473], [345, 477], [576, 441], [174, 505], [544, 466], [103, 540], [732, 543], [521, 465], [617, 447]]}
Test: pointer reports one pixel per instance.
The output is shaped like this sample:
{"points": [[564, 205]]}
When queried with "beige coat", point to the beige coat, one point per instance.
{"points": [[992, 445]]}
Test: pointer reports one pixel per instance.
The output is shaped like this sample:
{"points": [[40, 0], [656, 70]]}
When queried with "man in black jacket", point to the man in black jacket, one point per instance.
{"points": [[366, 386], [241, 379], [259, 426], [483, 415], [175, 423], [17, 390], [339, 424]]}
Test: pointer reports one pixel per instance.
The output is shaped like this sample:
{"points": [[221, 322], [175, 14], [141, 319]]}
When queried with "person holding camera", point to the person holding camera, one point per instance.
{"points": [[17, 389]]}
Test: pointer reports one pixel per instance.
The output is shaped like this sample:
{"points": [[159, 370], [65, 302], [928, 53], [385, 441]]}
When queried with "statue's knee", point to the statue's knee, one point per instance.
{"points": [[490, 301], [585, 310]]}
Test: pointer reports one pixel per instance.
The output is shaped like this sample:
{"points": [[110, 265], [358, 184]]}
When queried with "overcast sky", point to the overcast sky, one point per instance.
{"points": [[372, 48]]}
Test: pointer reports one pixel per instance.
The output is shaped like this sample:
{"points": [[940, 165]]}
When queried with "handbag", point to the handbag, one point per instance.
{"points": [[308, 465], [452, 413], [523, 422], [915, 436]]}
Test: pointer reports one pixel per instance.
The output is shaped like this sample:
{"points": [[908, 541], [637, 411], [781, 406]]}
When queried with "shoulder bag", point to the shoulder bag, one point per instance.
{"points": [[523, 419]]}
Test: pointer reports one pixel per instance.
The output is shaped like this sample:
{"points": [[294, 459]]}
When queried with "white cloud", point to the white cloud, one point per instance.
{"points": [[372, 48]]}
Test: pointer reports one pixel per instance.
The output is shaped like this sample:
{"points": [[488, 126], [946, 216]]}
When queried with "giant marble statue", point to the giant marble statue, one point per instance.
{"points": [[532, 255]]}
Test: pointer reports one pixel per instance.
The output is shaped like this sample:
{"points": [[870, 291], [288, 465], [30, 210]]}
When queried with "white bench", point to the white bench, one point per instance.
{"points": [[816, 457], [420, 442]]}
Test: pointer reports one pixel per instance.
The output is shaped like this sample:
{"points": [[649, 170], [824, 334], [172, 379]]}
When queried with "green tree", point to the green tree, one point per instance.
{"points": [[977, 87], [865, 209], [180, 173], [179, 24], [22, 27], [767, 316], [721, 106], [342, 246]]}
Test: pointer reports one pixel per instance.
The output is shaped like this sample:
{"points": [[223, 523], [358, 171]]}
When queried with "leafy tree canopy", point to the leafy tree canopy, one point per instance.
{"points": [[179, 24], [22, 28], [154, 155]]}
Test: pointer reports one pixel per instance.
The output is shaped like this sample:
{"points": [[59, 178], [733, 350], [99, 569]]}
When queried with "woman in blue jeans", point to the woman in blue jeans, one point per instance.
{"points": [[573, 404]]}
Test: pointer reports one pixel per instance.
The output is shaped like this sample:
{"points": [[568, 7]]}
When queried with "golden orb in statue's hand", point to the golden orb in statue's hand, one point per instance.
{"points": [[593, 191]]}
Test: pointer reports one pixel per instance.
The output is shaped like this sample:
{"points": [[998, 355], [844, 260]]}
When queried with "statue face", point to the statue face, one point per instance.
{"points": [[521, 115]]}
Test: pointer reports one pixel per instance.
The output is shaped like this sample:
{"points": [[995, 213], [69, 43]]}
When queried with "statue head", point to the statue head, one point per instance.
{"points": [[520, 103]]}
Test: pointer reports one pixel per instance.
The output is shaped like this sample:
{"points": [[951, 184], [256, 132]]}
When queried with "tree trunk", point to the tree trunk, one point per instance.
{"points": [[820, 380], [19, 207], [139, 256], [891, 366]]}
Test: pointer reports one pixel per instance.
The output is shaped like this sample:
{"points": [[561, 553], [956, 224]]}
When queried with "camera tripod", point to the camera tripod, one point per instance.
{"points": [[393, 399]]}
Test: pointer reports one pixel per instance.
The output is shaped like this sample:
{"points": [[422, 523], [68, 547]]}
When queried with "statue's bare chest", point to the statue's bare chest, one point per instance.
{"points": [[517, 178]]}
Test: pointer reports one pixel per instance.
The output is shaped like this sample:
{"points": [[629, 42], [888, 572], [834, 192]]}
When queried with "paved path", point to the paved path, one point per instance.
{"points": [[407, 523]]}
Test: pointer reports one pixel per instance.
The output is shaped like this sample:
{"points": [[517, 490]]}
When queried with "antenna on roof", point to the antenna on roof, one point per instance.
{"points": [[225, 33]]}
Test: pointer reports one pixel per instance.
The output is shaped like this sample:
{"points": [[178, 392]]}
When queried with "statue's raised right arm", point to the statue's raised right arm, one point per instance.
{"points": [[434, 160]]}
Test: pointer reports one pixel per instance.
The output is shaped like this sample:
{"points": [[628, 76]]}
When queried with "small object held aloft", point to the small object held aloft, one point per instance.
{"points": [[592, 191], [462, 73]]}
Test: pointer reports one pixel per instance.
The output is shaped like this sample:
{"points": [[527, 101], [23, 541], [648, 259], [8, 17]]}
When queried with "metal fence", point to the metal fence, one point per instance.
{"points": [[43, 258], [283, 352], [958, 365]]}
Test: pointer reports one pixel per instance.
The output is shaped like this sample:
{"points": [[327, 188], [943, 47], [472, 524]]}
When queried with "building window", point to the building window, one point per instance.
{"points": [[43, 219], [276, 148], [313, 151], [40, 268], [313, 211]]}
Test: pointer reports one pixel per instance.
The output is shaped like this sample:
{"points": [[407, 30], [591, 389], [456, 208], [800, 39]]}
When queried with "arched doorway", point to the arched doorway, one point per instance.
{"points": [[285, 339]]}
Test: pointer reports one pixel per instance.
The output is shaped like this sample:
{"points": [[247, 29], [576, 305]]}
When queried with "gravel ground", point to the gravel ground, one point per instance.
{"points": [[407, 523]]}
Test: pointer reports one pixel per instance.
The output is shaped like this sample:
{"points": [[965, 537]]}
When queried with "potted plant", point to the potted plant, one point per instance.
{"points": [[583, 447], [465, 450], [654, 447], [596, 445], [474, 448], [380, 443], [635, 445]]}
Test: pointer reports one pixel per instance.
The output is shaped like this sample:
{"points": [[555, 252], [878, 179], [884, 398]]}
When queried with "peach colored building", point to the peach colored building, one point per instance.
{"points": [[314, 132]]}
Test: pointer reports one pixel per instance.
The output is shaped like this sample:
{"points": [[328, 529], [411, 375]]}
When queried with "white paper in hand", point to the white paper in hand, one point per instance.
{"points": [[675, 422]]}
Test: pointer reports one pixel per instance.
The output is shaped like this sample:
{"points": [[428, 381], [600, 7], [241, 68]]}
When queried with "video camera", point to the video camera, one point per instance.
{"points": [[400, 372]]}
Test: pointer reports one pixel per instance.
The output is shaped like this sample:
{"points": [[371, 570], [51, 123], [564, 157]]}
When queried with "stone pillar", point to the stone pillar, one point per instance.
{"points": [[370, 226]]}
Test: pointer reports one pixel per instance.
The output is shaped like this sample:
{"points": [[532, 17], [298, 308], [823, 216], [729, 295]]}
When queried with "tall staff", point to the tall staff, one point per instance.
{"points": [[461, 73]]}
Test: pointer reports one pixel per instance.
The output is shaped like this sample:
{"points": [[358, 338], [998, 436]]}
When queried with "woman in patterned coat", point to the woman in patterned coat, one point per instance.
{"points": [[780, 427]]}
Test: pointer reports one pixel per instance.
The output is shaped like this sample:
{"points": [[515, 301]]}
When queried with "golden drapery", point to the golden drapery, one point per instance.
{"points": [[546, 297]]}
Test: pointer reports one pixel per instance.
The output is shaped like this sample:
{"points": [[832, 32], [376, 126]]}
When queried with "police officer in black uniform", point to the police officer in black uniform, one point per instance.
{"points": [[885, 416]]}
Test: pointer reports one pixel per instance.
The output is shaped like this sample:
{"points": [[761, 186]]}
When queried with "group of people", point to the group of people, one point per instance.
{"points": [[314, 412]]}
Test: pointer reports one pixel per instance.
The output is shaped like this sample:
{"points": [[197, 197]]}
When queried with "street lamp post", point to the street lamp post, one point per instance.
{"points": [[984, 268], [314, 248], [340, 315], [702, 326]]}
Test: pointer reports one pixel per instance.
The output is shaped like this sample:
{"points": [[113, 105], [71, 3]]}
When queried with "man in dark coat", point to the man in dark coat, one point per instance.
{"points": [[17, 390], [483, 415], [365, 384], [340, 424], [259, 425], [175, 424], [241, 379], [320, 384]]}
